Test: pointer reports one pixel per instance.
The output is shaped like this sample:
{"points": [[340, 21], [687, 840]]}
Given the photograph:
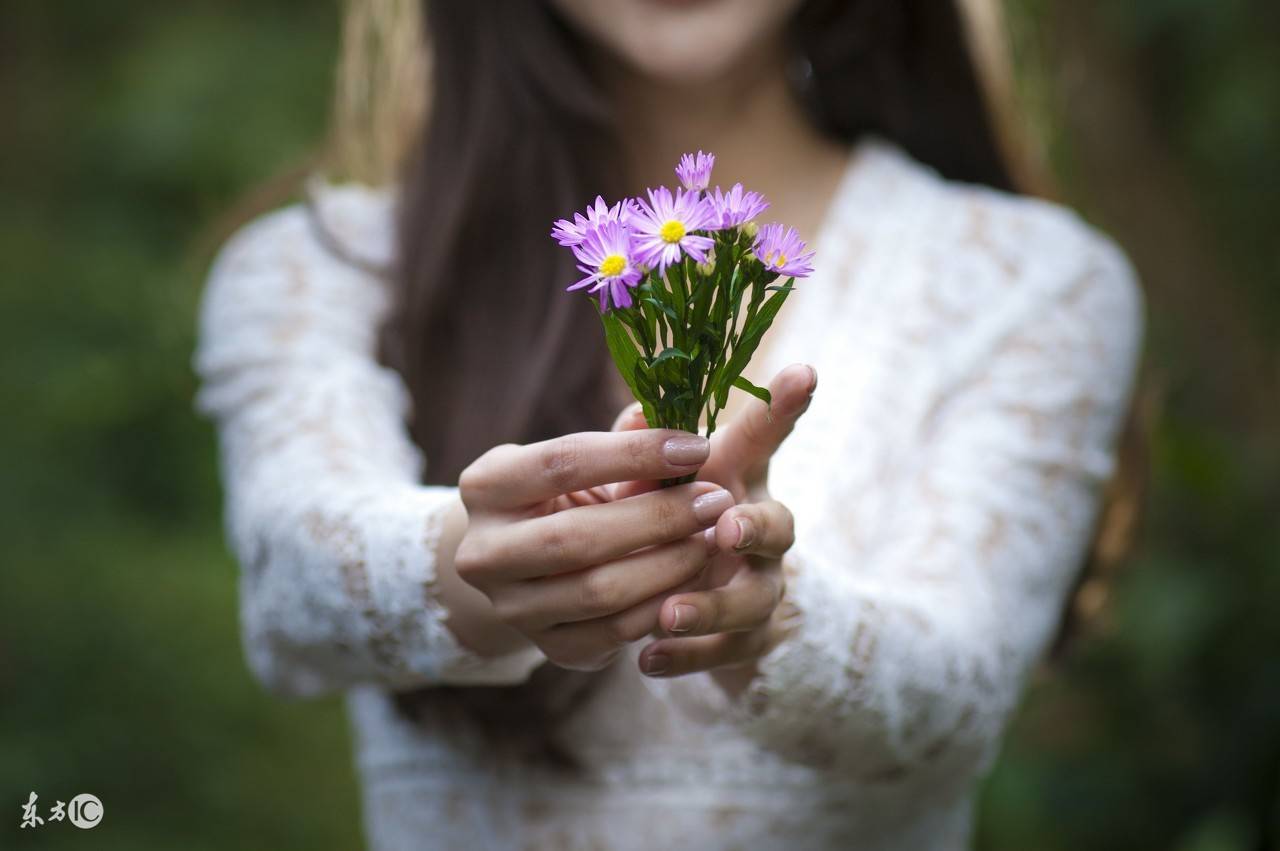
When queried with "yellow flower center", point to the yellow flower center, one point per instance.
{"points": [[673, 231], [613, 265]]}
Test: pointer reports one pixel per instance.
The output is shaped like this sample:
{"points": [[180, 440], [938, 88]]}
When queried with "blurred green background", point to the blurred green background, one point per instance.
{"points": [[132, 130]]}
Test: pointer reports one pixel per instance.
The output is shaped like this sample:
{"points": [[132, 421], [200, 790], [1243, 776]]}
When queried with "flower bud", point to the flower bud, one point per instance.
{"points": [[706, 270], [749, 229]]}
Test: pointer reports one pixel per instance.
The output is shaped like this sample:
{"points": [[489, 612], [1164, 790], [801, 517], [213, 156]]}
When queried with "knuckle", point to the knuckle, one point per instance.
{"points": [[620, 630], [638, 447], [508, 610], [755, 643], [786, 523], [755, 432], [481, 476], [555, 542], [471, 484], [598, 593], [469, 560], [712, 609], [764, 601], [560, 459], [667, 519]]}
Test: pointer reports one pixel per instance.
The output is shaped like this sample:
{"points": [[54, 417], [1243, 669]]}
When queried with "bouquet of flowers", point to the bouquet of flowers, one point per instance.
{"points": [[687, 285]]}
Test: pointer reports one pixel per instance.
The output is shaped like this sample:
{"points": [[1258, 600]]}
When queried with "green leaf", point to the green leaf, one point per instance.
{"points": [[623, 350], [668, 354], [747, 344], [755, 390], [650, 319], [680, 291], [665, 308]]}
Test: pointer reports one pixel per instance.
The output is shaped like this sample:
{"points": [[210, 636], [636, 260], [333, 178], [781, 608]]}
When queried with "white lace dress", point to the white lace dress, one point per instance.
{"points": [[977, 353]]}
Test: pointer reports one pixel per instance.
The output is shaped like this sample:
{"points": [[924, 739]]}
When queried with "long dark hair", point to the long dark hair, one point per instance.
{"points": [[518, 135]]}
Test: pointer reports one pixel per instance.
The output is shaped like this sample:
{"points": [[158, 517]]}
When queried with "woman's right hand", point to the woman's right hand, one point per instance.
{"points": [[578, 573]]}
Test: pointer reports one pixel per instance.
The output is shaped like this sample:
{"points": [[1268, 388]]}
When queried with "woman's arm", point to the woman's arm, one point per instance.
{"points": [[343, 579], [908, 656]]}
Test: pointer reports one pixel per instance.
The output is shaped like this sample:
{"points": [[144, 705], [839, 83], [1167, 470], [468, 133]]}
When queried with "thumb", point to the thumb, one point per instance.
{"points": [[630, 418], [750, 440]]}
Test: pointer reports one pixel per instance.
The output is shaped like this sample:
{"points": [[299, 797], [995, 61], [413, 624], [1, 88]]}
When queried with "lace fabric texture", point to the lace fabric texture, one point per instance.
{"points": [[335, 536], [977, 354]]}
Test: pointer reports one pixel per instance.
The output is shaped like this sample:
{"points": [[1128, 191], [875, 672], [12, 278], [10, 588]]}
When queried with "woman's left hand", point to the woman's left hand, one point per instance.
{"points": [[726, 629]]}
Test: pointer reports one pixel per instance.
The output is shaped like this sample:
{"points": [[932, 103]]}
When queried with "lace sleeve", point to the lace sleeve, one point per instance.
{"points": [[909, 652], [335, 537]]}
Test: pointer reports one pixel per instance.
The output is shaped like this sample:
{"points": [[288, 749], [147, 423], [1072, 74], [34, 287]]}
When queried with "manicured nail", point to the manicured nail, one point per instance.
{"points": [[684, 618], [708, 507], [657, 663], [746, 533], [686, 449]]}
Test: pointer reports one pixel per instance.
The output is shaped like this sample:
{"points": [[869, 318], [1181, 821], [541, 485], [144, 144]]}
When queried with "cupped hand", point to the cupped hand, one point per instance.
{"points": [[727, 627], [578, 568]]}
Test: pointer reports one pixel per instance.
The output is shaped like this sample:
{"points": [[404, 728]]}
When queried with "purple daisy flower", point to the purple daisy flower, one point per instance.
{"points": [[570, 233], [694, 170], [604, 254], [782, 250], [664, 228], [735, 207]]}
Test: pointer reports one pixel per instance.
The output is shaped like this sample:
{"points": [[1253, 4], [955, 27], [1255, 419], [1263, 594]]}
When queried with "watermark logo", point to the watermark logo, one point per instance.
{"points": [[85, 811]]}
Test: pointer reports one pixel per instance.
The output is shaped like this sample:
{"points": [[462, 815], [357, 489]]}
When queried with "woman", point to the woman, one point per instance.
{"points": [[818, 642]]}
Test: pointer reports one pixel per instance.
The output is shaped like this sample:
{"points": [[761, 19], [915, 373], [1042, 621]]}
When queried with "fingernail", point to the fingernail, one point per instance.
{"points": [[657, 663], [708, 507], [813, 379], [746, 533], [686, 449], [710, 537], [685, 618]]}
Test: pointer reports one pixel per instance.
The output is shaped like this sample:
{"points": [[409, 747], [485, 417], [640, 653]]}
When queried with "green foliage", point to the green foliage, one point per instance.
{"points": [[130, 130], [1160, 730], [680, 348]]}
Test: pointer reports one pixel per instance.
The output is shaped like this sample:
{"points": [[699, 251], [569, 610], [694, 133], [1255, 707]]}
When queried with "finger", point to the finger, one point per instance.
{"points": [[591, 535], [512, 476], [764, 528], [746, 602], [631, 419], [755, 434], [673, 657], [604, 590], [624, 627]]}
